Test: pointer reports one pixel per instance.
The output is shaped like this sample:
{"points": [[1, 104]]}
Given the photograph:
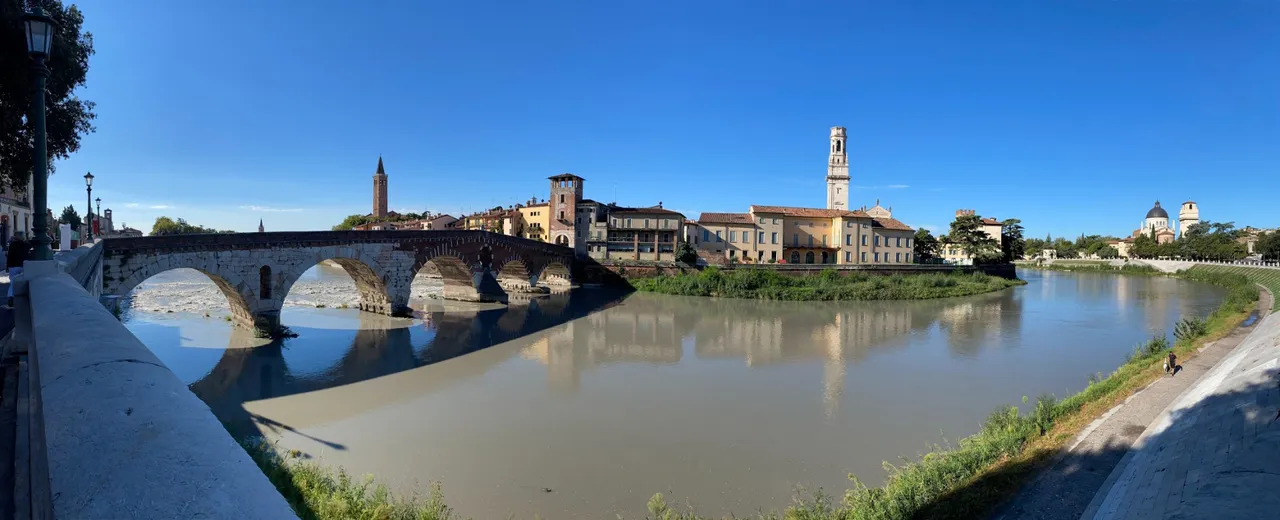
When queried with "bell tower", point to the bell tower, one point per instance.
{"points": [[838, 171], [1188, 215], [380, 191]]}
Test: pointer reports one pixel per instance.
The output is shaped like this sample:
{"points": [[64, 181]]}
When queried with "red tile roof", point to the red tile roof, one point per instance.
{"points": [[990, 222], [889, 223], [725, 218], [647, 211], [809, 212]]}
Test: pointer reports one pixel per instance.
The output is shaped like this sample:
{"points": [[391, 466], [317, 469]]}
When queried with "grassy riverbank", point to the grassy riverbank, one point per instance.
{"points": [[1127, 268], [763, 284], [965, 480]]}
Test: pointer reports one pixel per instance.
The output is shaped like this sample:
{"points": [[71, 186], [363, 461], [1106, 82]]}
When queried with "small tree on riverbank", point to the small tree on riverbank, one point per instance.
{"points": [[967, 234], [686, 254]]}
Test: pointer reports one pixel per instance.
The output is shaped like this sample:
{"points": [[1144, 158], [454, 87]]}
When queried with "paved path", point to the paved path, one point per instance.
{"points": [[1215, 453]]}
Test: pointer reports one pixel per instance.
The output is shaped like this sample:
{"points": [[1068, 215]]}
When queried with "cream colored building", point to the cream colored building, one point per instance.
{"points": [[781, 234], [537, 220]]}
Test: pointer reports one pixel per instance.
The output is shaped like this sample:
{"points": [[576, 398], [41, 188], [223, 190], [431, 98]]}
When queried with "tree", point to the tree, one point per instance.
{"points": [[686, 254], [68, 117], [70, 216], [967, 234], [1012, 245], [352, 221], [1144, 246], [925, 247], [1268, 246], [1109, 252], [168, 226]]}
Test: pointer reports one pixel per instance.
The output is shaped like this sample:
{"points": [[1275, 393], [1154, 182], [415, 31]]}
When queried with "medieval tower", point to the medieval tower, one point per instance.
{"points": [[1188, 216], [838, 172], [566, 192], [380, 191]]}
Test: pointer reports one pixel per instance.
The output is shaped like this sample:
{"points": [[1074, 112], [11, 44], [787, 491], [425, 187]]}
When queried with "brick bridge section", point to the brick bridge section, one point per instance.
{"points": [[256, 270]]}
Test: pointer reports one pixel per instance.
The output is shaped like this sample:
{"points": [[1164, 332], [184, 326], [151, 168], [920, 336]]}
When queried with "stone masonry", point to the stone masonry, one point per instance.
{"points": [[256, 270]]}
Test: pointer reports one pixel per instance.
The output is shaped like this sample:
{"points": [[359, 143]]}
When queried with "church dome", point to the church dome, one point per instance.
{"points": [[1157, 212]]}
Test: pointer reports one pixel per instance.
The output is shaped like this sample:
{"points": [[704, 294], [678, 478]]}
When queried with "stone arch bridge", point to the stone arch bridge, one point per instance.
{"points": [[256, 270]]}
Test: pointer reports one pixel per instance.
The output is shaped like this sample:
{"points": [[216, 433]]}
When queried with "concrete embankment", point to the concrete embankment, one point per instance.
{"points": [[1081, 479], [125, 438]]}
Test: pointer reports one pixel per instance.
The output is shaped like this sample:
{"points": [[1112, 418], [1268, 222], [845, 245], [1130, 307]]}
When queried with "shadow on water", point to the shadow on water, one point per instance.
{"points": [[381, 347]]}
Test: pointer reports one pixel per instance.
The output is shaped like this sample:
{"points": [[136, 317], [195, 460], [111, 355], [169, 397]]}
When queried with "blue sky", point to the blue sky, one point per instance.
{"points": [[1071, 115]]}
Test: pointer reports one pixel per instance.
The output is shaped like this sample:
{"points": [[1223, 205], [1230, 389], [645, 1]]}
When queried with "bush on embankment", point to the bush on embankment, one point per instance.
{"points": [[765, 284], [1100, 266], [316, 492]]}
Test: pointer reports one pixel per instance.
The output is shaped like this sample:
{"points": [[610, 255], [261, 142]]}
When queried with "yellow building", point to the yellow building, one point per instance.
{"points": [[537, 220], [780, 234], [954, 254]]}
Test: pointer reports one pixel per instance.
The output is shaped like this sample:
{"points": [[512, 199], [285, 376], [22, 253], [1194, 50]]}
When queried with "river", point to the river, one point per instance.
{"points": [[583, 404]]}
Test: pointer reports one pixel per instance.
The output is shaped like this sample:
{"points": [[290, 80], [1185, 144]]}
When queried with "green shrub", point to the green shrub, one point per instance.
{"points": [[1188, 329]]}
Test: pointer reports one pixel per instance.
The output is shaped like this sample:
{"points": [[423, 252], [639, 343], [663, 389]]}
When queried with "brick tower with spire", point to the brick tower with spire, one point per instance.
{"points": [[380, 191]]}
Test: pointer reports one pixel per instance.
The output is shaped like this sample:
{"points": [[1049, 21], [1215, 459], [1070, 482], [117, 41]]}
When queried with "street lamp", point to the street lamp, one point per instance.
{"points": [[88, 201], [99, 213], [39, 44]]}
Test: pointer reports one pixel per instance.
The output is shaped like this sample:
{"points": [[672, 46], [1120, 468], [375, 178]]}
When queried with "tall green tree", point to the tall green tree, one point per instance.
{"points": [[1012, 245], [68, 117], [925, 246], [168, 226], [70, 216], [967, 234], [685, 253]]}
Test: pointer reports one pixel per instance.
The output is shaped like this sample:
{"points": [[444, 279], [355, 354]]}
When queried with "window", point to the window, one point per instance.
{"points": [[864, 241], [760, 239], [733, 236], [561, 214], [811, 243], [775, 237], [628, 221], [824, 242], [732, 253], [864, 257], [877, 258], [908, 244], [719, 237], [808, 257], [877, 240], [795, 239], [848, 257], [759, 256], [762, 220], [775, 221], [746, 237], [899, 242], [706, 236], [773, 255], [795, 257], [897, 257], [264, 283], [908, 258], [646, 223], [562, 198], [848, 240]]}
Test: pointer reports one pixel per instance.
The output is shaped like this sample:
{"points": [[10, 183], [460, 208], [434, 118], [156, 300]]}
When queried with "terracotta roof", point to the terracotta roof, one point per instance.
{"points": [[987, 221], [649, 211], [725, 218], [808, 212], [891, 223]]}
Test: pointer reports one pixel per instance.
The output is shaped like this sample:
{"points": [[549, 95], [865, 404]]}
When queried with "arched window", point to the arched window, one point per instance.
{"points": [[264, 283], [795, 257], [808, 257]]}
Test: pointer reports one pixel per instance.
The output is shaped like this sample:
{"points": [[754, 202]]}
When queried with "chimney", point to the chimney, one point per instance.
{"points": [[659, 204]]}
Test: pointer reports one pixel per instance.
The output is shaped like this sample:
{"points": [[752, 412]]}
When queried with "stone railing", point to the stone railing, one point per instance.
{"points": [[111, 432]]}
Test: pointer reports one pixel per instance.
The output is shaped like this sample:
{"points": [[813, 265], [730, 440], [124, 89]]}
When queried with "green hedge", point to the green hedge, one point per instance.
{"points": [[765, 284]]}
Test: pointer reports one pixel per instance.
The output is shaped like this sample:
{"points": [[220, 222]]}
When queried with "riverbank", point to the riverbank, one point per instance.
{"points": [[828, 285]]}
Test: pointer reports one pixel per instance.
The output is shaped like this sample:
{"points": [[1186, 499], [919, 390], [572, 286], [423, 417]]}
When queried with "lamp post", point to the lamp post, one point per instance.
{"points": [[88, 201], [39, 29], [98, 211]]}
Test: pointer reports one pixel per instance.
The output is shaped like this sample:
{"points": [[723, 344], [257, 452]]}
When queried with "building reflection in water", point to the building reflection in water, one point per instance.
{"points": [[652, 329]]}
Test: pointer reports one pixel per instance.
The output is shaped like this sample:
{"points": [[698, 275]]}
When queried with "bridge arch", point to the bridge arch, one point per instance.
{"points": [[240, 295], [369, 275], [553, 274], [459, 277]]}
